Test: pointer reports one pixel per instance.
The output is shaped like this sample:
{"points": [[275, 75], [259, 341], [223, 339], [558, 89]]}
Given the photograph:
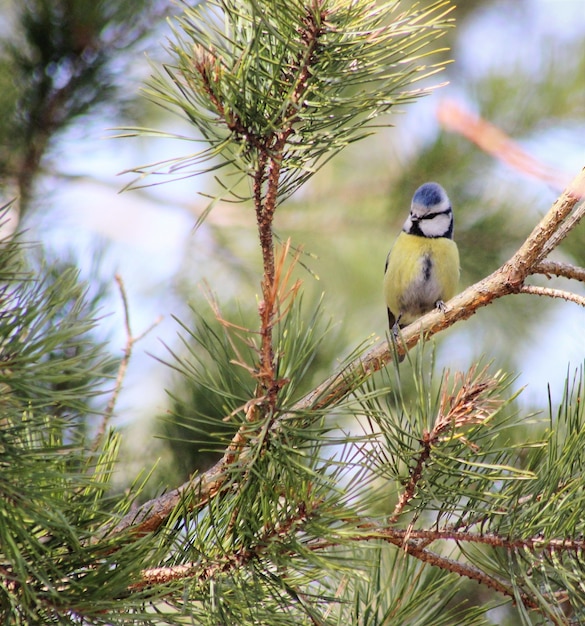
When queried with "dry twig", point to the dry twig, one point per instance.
{"points": [[123, 367]]}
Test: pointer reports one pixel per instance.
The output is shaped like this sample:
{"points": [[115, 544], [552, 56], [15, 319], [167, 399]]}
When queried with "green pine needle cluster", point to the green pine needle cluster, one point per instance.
{"points": [[304, 79], [318, 521], [56, 483]]}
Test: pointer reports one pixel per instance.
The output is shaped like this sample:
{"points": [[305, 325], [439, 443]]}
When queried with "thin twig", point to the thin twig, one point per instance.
{"points": [[410, 490], [568, 225], [266, 188], [556, 268], [203, 572], [123, 367], [461, 569], [266, 181], [235, 559], [553, 293], [489, 539]]}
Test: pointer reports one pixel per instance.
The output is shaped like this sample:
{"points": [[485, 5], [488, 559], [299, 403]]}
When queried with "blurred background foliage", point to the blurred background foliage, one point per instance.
{"points": [[72, 70]]}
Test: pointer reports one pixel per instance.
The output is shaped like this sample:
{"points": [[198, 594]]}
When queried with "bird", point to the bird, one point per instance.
{"points": [[422, 267]]}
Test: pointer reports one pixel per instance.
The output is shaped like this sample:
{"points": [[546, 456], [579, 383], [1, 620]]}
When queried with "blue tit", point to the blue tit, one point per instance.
{"points": [[422, 268]]}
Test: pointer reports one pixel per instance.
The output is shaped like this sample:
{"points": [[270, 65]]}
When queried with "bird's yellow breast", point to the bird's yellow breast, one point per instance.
{"points": [[420, 272]]}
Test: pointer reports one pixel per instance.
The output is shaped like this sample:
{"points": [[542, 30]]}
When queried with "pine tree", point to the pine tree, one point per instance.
{"points": [[351, 501]]}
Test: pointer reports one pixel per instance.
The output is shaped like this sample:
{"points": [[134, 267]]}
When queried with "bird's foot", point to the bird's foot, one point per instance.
{"points": [[439, 304], [396, 327], [396, 343]]}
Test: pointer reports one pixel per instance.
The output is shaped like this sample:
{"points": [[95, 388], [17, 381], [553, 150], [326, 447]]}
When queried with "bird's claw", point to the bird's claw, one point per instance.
{"points": [[441, 306]]}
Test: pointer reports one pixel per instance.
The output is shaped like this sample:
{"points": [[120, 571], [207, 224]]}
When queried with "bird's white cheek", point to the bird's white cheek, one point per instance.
{"points": [[437, 227]]}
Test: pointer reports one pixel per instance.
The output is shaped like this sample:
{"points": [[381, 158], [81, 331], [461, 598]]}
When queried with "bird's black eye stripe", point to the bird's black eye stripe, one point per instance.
{"points": [[429, 216]]}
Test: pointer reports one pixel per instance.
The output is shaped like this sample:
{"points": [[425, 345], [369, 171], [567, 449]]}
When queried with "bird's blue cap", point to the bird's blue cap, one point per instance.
{"points": [[429, 194]]}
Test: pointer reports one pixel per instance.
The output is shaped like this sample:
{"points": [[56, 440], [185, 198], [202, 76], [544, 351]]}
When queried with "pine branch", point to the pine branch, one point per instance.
{"points": [[270, 148], [506, 280], [235, 560], [471, 405], [412, 541], [278, 93], [457, 567], [490, 539], [52, 485]]}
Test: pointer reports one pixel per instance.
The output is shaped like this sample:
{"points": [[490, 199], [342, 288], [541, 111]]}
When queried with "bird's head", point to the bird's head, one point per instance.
{"points": [[430, 213]]}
